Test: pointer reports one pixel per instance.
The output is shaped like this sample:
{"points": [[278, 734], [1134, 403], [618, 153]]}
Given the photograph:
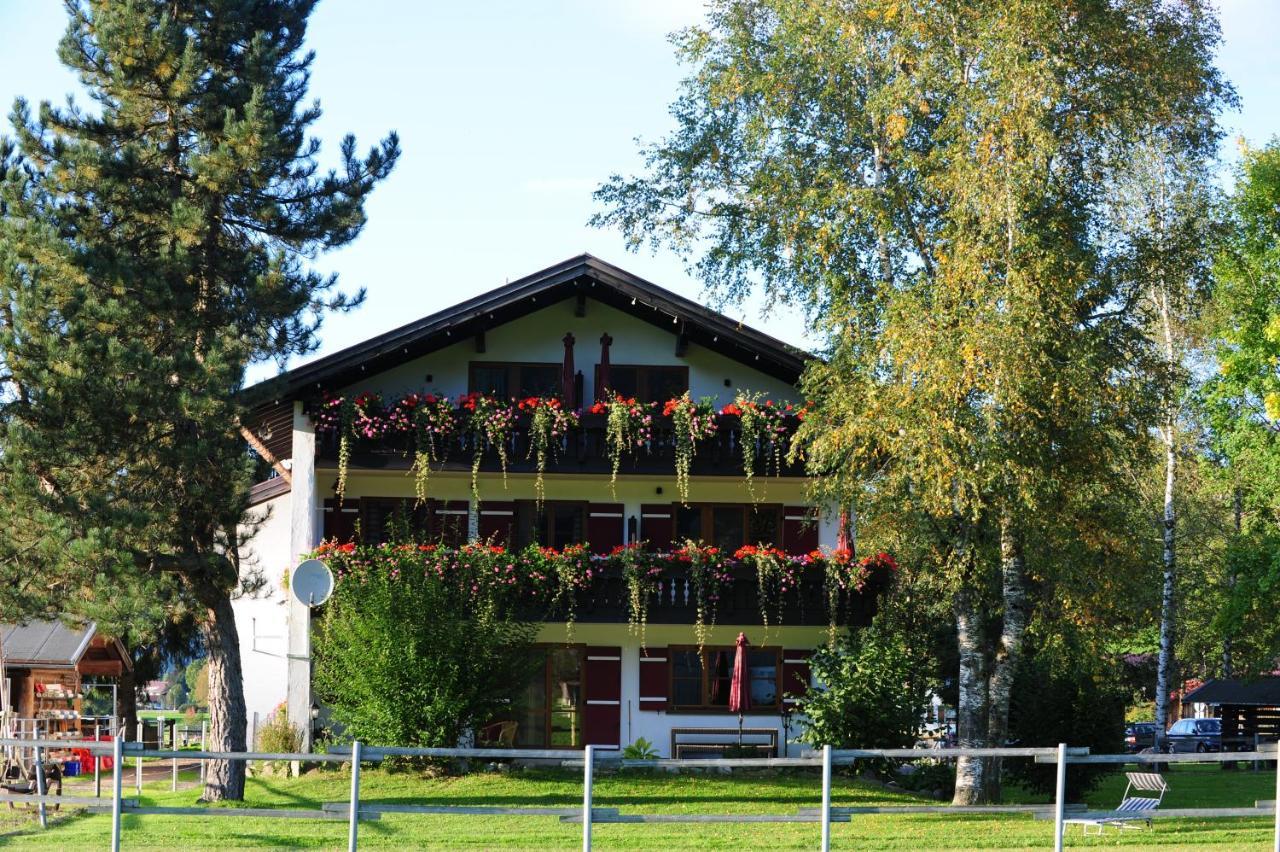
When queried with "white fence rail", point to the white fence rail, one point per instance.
{"points": [[826, 758]]}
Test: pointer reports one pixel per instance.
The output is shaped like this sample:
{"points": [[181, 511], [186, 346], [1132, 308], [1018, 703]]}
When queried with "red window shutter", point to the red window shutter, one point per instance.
{"points": [[799, 529], [657, 524], [602, 697], [795, 673], [497, 521], [605, 526], [340, 520], [654, 680]]}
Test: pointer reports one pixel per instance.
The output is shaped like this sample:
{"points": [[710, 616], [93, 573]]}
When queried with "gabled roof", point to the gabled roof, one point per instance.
{"points": [[583, 276], [45, 643], [1263, 692]]}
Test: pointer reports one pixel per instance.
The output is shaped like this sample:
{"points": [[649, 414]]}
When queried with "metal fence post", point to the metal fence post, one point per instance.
{"points": [[40, 787], [137, 762], [1060, 798], [588, 777], [826, 798], [117, 791], [353, 824], [173, 743], [97, 763]]}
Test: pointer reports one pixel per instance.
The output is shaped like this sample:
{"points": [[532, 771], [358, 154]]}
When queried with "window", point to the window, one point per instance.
{"points": [[728, 526], [506, 380], [549, 712], [556, 523], [386, 519], [646, 384], [701, 680]]}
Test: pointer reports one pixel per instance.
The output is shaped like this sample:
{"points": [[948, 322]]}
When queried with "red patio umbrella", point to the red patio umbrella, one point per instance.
{"points": [[740, 686], [567, 395], [602, 373]]}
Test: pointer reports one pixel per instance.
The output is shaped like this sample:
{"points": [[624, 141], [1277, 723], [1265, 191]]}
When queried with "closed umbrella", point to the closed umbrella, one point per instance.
{"points": [[740, 686], [602, 373], [567, 395]]}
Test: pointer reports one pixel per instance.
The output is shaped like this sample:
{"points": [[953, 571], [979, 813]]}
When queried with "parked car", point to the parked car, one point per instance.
{"points": [[1140, 736], [1191, 735]]}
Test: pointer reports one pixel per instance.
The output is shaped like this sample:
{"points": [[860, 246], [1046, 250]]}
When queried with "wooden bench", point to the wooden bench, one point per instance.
{"points": [[690, 742]]}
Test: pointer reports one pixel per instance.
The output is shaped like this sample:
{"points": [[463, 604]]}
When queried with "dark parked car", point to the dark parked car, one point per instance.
{"points": [[1139, 736], [1194, 735]]}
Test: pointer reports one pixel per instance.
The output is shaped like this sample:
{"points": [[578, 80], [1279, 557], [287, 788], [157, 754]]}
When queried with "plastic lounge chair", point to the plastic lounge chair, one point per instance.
{"points": [[1132, 808]]}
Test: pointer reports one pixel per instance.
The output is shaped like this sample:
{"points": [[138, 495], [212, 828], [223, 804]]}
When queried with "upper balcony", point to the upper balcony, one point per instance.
{"points": [[582, 446]]}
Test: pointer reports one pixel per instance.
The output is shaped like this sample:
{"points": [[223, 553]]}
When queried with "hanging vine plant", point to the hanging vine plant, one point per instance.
{"points": [[429, 421], [548, 424], [777, 576], [571, 568], [708, 575], [691, 422], [643, 575], [361, 417], [628, 427], [490, 423], [763, 434]]}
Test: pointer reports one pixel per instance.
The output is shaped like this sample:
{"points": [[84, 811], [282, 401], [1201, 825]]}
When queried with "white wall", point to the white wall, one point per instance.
{"points": [[655, 726], [537, 337], [262, 620]]}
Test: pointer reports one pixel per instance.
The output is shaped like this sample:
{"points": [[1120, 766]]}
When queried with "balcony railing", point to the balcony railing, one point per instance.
{"points": [[583, 450], [605, 602]]}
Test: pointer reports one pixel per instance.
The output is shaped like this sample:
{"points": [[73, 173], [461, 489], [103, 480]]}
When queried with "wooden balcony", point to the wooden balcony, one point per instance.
{"points": [[605, 602], [583, 450]]}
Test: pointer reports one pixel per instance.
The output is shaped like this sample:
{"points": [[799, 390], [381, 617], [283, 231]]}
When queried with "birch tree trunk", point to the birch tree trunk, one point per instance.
{"points": [[971, 710], [1168, 602], [1013, 581]]}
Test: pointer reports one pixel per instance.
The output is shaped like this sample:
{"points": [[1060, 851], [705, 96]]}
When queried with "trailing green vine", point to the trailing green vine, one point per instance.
{"points": [[643, 577], [777, 575], [490, 423], [762, 436], [691, 422], [431, 422], [548, 423], [708, 575], [628, 427]]}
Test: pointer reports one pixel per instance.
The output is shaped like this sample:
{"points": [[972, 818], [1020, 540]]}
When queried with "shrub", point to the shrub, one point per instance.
{"points": [[641, 749], [407, 656], [277, 734], [867, 697]]}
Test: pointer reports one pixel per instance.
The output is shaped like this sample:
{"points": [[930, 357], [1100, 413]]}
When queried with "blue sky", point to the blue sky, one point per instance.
{"points": [[509, 114]]}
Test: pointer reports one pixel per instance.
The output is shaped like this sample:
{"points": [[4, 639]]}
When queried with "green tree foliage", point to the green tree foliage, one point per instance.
{"points": [[152, 246], [196, 677], [867, 697], [1243, 406], [929, 183], [411, 658]]}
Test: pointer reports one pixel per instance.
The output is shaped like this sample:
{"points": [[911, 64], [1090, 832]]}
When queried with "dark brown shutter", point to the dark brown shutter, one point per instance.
{"points": [[605, 526], [449, 521], [795, 673], [799, 529], [340, 521], [526, 522], [654, 680], [657, 524], [602, 697], [497, 521]]}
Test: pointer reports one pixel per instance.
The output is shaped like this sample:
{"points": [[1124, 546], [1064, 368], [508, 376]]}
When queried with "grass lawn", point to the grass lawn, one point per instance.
{"points": [[643, 792], [170, 715]]}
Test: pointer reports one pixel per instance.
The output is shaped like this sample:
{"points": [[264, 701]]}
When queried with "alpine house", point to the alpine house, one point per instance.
{"points": [[591, 413]]}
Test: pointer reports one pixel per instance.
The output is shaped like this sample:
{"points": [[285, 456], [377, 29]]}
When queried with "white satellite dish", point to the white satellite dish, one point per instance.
{"points": [[311, 582]]}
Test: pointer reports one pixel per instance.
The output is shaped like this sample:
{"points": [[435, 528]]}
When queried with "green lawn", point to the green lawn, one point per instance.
{"points": [[641, 792]]}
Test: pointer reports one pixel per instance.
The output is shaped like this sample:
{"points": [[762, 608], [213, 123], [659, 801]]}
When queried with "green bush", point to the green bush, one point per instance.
{"points": [[641, 749], [1064, 692], [867, 697], [410, 657], [277, 735]]}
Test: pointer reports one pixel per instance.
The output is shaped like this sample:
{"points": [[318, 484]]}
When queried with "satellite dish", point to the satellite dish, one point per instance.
{"points": [[311, 582]]}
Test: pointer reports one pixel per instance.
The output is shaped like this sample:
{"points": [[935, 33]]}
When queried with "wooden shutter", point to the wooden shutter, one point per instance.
{"points": [[602, 696], [526, 522], [795, 673], [605, 526], [497, 521], [340, 521], [654, 679], [799, 529], [449, 521], [657, 524]]}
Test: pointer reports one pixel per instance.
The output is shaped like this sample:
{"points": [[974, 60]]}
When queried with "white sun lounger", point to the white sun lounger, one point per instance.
{"points": [[1132, 808]]}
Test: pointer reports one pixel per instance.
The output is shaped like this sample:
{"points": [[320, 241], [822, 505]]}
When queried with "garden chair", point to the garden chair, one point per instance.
{"points": [[1133, 808]]}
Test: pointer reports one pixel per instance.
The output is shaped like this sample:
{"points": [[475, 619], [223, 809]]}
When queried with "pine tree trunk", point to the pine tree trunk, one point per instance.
{"points": [[971, 710], [225, 778], [1009, 650]]}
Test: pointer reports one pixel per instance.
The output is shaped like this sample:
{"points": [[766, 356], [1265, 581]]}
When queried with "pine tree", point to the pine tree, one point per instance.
{"points": [[154, 245]]}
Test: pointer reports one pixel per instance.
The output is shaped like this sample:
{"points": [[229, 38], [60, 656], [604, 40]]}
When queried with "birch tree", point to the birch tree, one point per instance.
{"points": [[926, 181]]}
